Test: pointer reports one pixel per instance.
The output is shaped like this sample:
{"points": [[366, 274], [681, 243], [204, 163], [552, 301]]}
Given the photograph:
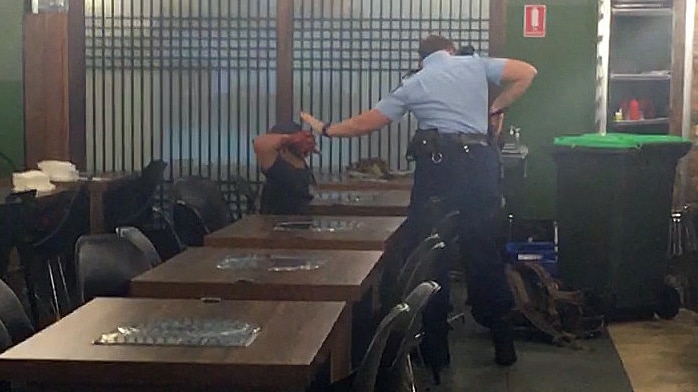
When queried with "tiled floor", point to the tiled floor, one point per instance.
{"points": [[648, 356], [660, 355]]}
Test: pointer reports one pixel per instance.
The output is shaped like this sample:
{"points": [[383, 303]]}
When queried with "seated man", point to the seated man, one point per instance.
{"points": [[281, 155]]}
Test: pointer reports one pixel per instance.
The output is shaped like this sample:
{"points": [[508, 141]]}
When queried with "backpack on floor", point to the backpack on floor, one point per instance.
{"points": [[564, 316]]}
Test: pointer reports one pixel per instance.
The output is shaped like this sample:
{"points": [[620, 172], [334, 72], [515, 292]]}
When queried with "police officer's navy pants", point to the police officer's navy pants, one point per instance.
{"points": [[468, 179]]}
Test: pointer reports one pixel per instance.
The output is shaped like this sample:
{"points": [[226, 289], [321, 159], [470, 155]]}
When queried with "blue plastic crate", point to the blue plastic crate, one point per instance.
{"points": [[542, 253]]}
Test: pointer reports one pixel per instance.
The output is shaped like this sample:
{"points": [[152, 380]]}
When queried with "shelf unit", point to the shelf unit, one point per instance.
{"points": [[635, 63]]}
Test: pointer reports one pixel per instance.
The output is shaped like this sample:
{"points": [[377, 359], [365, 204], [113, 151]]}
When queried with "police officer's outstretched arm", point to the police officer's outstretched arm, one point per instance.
{"points": [[517, 76], [358, 125]]}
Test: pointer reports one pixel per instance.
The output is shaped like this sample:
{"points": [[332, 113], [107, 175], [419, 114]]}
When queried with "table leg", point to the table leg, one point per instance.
{"points": [[340, 354], [96, 210]]}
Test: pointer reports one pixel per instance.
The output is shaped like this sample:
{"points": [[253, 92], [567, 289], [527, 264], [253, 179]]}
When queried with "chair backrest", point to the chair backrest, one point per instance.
{"points": [[21, 197], [141, 242], [425, 253], [5, 342], [13, 315], [188, 224], [427, 269], [200, 208], [8, 225], [130, 203], [417, 300], [106, 264], [397, 319], [146, 185], [448, 226], [205, 197], [167, 242], [151, 176]]}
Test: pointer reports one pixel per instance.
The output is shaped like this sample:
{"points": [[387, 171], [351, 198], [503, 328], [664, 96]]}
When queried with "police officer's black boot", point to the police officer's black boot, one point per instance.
{"points": [[503, 339]]}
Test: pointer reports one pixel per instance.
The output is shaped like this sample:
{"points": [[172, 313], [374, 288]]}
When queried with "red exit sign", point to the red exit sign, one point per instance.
{"points": [[534, 20]]}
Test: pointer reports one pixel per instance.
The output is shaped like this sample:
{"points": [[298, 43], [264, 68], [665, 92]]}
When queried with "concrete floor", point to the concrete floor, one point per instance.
{"points": [[647, 356]]}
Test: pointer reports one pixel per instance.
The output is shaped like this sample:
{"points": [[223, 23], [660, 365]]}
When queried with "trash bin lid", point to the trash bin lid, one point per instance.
{"points": [[616, 140]]}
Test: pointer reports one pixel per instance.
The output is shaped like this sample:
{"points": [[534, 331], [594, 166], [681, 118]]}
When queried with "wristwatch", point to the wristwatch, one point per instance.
{"points": [[325, 127]]}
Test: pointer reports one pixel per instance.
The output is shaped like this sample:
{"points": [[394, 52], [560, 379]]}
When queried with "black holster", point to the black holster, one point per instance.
{"points": [[424, 143]]}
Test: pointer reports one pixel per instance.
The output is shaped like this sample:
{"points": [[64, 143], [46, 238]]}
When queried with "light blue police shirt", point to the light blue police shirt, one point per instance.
{"points": [[449, 93]]}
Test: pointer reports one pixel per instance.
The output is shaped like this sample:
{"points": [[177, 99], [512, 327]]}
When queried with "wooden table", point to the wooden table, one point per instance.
{"points": [[97, 185], [258, 231], [344, 276], [343, 182], [361, 203], [296, 338]]}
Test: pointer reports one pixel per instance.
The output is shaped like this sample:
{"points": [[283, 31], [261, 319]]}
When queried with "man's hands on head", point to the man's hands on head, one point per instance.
{"points": [[301, 143]]}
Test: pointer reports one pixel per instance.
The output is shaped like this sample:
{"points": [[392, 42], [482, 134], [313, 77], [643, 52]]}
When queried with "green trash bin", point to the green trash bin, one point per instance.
{"points": [[614, 201]]}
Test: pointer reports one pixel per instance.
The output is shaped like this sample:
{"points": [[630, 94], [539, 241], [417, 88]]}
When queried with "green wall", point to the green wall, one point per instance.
{"points": [[561, 100], [11, 108]]}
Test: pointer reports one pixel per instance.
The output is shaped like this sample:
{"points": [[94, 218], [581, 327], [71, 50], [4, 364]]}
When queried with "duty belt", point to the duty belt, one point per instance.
{"points": [[429, 142], [465, 139]]}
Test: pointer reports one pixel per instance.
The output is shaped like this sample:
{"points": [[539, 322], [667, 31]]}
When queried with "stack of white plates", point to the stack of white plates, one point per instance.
{"points": [[32, 179], [59, 171]]}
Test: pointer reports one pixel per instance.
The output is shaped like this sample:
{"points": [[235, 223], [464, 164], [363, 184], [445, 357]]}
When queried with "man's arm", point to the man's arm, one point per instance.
{"points": [[361, 124], [517, 75], [266, 148]]}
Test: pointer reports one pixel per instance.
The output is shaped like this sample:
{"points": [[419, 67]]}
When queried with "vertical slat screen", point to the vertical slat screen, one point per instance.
{"points": [[349, 53], [188, 81], [194, 81]]}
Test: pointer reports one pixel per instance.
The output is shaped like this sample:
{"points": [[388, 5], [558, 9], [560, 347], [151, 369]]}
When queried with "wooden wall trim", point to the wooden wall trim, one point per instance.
{"points": [[678, 53], [45, 87], [498, 15], [77, 84], [284, 61]]}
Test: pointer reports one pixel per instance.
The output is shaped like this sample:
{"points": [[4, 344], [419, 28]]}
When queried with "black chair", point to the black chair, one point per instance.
{"points": [[448, 226], [418, 226], [396, 364], [423, 265], [426, 264], [200, 209], [427, 216], [131, 202], [137, 238], [106, 264], [364, 378], [12, 209], [8, 224], [420, 265], [51, 231], [5, 343], [13, 316], [163, 236]]}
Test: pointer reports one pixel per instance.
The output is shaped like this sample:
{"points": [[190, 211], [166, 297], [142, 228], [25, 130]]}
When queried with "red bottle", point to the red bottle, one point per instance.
{"points": [[634, 110]]}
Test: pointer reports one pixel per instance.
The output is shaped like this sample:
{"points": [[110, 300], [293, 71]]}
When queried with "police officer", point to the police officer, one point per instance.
{"points": [[454, 160]]}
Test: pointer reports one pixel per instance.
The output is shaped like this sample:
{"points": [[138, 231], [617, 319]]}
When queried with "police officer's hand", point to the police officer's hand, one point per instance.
{"points": [[315, 124], [496, 122]]}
